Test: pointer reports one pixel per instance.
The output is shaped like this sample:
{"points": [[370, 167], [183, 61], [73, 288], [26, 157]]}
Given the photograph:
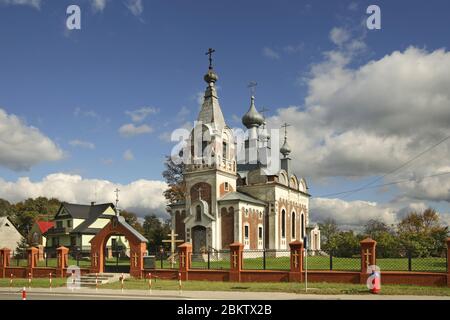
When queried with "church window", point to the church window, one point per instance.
{"points": [[246, 212], [224, 150], [302, 217], [260, 233], [227, 186], [283, 224], [198, 213], [246, 232], [260, 215], [293, 225]]}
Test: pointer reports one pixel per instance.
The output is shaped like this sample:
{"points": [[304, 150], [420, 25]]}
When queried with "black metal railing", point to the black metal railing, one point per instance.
{"points": [[266, 259], [321, 260]]}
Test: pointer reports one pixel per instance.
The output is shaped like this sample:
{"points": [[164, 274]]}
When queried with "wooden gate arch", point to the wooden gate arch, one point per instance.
{"points": [[138, 246]]}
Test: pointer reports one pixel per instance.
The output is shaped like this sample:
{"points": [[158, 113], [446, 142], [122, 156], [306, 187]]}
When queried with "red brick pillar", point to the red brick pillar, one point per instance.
{"points": [[368, 257], [185, 256], [296, 271], [62, 260], [137, 252], [236, 260], [5, 255], [448, 262], [32, 259]]}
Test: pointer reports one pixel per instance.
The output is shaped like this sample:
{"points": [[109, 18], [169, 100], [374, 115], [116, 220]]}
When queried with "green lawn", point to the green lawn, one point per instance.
{"points": [[35, 283], [315, 288]]}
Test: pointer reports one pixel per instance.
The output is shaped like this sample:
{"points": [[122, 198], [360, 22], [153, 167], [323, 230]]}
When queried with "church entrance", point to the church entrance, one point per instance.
{"points": [[199, 239]]}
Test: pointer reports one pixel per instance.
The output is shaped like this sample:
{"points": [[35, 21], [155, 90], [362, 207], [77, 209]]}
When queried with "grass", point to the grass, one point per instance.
{"points": [[289, 287], [35, 283]]}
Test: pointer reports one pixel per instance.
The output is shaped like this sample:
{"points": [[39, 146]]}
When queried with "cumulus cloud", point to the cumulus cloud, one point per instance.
{"points": [[140, 196], [270, 53], [32, 3], [135, 6], [339, 36], [23, 146], [131, 130], [141, 114], [128, 155], [82, 144]]}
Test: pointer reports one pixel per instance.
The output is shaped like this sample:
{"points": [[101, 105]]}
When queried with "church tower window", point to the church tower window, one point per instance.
{"points": [[293, 225], [198, 213], [225, 150], [246, 232], [283, 224]]}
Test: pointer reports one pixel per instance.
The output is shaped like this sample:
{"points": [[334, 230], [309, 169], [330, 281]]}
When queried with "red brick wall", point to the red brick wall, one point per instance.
{"points": [[179, 224], [253, 221], [222, 191], [289, 208], [264, 276], [205, 192]]}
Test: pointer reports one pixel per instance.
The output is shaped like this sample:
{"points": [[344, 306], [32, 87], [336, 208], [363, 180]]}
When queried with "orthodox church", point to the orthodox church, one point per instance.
{"points": [[231, 196]]}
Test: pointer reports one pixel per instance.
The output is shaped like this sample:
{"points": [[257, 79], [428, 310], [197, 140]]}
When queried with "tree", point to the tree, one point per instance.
{"points": [[173, 174], [6, 209], [387, 242], [328, 231], [155, 231], [422, 234], [346, 244]]}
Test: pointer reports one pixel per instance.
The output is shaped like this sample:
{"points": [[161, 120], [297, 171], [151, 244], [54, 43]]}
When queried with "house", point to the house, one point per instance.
{"points": [[9, 235], [75, 225], [230, 200]]}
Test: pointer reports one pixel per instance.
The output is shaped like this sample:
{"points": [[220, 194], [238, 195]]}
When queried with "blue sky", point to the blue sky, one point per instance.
{"points": [[78, 88]]}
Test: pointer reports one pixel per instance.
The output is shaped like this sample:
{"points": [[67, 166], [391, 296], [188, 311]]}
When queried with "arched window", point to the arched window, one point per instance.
{"points": [[302, 217], [293, 225], [283, 224], [198, 213], [224, 150]]}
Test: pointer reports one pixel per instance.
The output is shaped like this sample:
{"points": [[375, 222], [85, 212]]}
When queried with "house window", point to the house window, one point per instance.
{"points": [[293, 225], [246, 232], [73, 241], [198, 213], [59, 224], [283, 224], [69, 223], [227, 187], [260, 233]]}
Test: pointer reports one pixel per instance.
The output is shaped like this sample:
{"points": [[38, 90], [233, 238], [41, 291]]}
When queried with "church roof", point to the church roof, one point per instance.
{"points": [[233, 196], [211, 111]]}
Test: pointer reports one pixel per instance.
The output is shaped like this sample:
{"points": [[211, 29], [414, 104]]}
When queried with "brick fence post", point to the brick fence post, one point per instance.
{"points": [[236, 260], [5, 254], [62, 260], [296, 258], [185, 256], [368, 257], [448, 262], [32, 259]]}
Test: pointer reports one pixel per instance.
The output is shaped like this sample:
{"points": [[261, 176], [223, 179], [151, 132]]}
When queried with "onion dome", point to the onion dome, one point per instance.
{"points": [[285, 148], [252, 118], [211, 76]]}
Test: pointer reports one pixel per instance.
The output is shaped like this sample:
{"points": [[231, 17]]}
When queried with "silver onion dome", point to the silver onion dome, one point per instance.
{"points": [[252, 118]]}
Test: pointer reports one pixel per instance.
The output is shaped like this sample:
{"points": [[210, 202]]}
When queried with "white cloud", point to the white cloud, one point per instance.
{"points": [[135, 6], [141, 114], [98, 5], [82, 144], [339, 36], [270, 53], [85, 113], [23, 146], [141, 196], [131, 130], [128, 155], [32, 3]]}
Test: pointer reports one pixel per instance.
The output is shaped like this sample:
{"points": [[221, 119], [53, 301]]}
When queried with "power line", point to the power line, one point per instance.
{"points": [[385, 184], [365, 186]]}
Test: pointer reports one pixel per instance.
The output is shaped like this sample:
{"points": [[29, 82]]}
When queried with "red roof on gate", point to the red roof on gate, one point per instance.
{"points": [[45, 225]]}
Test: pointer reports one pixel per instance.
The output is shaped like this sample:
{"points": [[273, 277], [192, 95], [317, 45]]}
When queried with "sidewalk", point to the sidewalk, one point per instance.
{"points": [[64, 293]]}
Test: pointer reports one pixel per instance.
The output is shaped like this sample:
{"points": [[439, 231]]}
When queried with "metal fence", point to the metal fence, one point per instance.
{"points": [[266, 259], [410, 262], [164, 259], [320, 260], [211, 260], [18, 259]]}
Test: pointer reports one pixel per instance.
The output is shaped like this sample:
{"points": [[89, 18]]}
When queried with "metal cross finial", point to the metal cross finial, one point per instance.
{"points": [[285, 126], [252, 85], [209, 53], [117, 196]]}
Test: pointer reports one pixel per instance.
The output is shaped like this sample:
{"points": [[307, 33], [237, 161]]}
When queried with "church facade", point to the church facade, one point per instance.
{"points": [[231, 195]]}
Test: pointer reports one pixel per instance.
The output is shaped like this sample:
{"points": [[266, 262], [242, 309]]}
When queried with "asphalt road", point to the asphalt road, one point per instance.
{"points": [[109, 294]]}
